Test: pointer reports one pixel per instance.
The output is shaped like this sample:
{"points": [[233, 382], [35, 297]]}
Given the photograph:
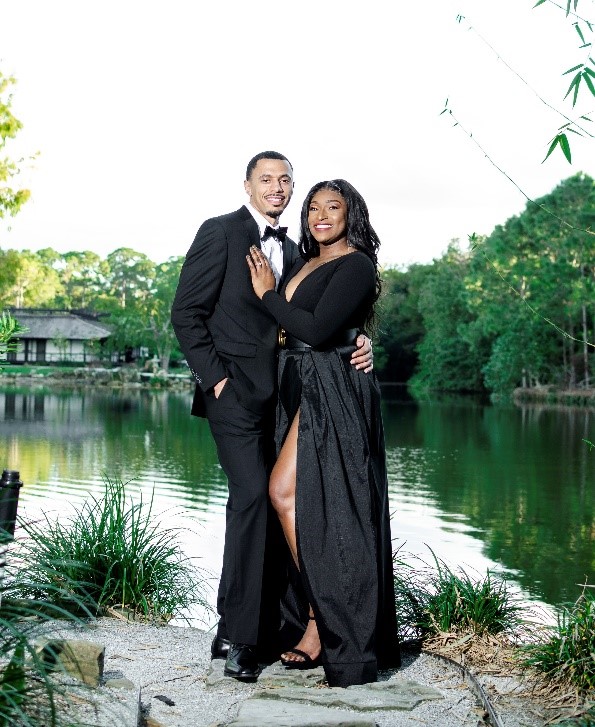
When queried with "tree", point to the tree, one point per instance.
{"points": [[12, 198], [401, 326], [448, 362], [26, 281], [156, 309], [83, 276], [129, 275], [531, 291]]}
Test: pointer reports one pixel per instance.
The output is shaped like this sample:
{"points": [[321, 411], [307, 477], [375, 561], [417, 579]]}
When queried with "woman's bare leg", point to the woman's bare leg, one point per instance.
{"points": [[282, 493]]}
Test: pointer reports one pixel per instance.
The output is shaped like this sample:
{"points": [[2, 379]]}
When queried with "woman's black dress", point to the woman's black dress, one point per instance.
{"points": [[342, 511]]}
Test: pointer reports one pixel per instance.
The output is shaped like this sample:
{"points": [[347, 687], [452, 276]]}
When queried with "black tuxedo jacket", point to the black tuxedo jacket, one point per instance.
{"points": [[223, 328]]}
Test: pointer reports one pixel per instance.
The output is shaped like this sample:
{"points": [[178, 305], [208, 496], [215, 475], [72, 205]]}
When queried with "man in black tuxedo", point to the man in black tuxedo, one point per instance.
{"points": [[230, 341]]}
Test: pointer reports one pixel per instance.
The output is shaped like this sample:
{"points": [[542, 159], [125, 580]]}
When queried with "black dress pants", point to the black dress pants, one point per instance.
{"points": [[248, 596]]}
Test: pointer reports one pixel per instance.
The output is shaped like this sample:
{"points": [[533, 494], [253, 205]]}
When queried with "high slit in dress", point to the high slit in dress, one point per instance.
{"points": [[341, 502]]}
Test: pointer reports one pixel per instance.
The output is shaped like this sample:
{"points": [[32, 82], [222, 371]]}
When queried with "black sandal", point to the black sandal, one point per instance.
{"points": [[307, 663]]}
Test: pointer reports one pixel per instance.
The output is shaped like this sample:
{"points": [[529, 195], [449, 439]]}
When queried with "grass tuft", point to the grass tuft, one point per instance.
{"points": [[111, 556], [434, 599], [567, 652]]}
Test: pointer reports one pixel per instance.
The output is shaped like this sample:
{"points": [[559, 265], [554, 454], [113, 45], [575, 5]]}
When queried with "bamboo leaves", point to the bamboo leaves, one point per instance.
{"points": [[584, 73], [583, 76], [560, 140]]}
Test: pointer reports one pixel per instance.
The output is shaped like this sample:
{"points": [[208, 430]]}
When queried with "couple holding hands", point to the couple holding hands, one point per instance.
{"points": [[273, 334]]}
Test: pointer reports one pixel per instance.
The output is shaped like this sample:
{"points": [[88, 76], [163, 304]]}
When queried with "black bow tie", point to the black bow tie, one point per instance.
{"points": [[279, 233]]}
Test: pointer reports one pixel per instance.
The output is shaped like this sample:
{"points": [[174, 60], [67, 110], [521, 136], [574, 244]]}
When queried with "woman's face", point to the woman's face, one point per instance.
{"points": [[327, 217]]}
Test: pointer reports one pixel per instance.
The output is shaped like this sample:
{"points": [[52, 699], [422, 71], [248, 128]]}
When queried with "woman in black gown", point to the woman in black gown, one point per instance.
{"points": [[329, 485]]}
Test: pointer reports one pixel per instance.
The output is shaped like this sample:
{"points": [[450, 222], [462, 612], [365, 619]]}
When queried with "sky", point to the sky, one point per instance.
{"points": [[146, 113]]}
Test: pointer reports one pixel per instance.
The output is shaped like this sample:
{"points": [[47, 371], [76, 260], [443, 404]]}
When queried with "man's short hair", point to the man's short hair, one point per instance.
{"points": [[265, 155]]}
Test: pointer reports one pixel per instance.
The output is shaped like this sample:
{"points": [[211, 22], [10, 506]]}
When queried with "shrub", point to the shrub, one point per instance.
{"points": [[110, 555], [431, 600], [568, 651]]}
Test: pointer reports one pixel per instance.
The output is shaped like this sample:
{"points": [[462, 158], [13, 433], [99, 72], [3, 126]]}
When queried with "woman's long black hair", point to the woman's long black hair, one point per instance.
{"points": [[360, 233]]}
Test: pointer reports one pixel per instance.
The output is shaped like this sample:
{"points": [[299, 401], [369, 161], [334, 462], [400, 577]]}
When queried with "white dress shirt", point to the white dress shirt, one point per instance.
{"points": [[272, 248]]}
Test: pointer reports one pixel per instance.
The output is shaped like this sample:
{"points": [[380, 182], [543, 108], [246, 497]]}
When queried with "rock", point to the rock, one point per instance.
{"points": [[82, 660], [400, 694], [277, 675], [271, 713], [119, 683]]}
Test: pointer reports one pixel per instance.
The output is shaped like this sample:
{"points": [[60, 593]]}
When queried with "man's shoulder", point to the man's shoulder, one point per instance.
{"points": [[231, 217], [225, 226]]}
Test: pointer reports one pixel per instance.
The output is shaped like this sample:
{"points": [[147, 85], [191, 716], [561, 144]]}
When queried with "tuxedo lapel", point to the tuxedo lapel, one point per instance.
{"points": [[288, 258], [251, 227]]}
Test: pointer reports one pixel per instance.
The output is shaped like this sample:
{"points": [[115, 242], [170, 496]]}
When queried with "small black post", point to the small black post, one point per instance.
{"points": [[10, 486]]}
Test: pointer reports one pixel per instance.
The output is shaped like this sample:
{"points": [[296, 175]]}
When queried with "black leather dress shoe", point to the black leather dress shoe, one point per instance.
{"points": [[219, 648], [241, 663]]}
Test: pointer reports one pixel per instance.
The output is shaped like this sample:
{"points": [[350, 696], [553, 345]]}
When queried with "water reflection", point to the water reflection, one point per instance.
{"points": [[500, 487], [522, 480]]}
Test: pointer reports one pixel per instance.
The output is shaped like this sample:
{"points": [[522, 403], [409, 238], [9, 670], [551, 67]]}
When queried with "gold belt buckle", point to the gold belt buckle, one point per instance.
{"points": [[281, 337]]}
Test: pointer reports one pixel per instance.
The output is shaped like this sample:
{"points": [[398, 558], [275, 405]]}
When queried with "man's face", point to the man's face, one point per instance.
{"points": [[270, 187]]}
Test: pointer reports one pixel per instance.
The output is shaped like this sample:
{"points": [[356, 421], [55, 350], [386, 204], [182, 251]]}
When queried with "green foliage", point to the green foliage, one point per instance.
{"points": [[585, 720], [134, 293], [82, 276], [155, 316], [460, 603], [401, 325], [11, 198], [568, 652], [26, 280], [9, 330], [583, 78], [110, 554], [560, 140], [530, 288], [433, 600], [447, 360]]}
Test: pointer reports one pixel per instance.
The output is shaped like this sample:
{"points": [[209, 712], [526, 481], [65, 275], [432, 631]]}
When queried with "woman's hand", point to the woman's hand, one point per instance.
{"points": [[363, 356], [263, 278]]}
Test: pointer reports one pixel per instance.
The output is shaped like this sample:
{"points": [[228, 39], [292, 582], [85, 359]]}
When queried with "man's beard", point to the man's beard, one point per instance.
{"points": [[275, 214]]}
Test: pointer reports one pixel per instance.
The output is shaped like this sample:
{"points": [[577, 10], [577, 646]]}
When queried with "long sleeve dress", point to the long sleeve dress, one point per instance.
{"points": [[342, 511]]}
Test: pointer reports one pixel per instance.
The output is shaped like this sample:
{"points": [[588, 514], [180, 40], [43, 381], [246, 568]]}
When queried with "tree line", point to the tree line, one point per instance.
{"points": [[515, 309]]}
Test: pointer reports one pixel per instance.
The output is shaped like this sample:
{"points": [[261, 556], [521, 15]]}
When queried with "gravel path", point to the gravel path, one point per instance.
{"points": [[180, 687]]}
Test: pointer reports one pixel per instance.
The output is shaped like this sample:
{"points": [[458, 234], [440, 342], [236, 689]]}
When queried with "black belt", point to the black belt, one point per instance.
{"points": [[342, 338]]}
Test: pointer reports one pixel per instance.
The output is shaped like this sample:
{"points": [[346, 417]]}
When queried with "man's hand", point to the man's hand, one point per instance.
{"points": [[262, 276], [363, 357], [218, 388]]}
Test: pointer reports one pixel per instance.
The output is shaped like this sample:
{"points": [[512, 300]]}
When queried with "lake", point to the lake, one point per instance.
{"points": [[502, 487]]}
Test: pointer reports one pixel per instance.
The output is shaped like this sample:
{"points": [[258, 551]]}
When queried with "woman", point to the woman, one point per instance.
{"points": [[329, 484]]}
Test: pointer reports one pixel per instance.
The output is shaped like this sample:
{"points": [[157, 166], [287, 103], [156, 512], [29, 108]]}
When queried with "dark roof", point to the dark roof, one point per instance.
{"points": [[59, 324]]}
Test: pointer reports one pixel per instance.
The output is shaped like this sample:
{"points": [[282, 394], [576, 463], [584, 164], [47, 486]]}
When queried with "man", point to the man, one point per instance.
{"points": [[230, 342]]}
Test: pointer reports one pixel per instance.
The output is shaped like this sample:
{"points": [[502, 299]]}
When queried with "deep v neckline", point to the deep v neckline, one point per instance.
{"points": [[334, 260]]}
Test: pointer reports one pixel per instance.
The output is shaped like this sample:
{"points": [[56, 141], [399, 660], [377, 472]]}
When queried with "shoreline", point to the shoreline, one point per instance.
{"points": [[131, 378]]}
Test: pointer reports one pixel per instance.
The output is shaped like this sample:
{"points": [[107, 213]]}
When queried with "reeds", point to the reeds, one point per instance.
{"points": [[112, 556], [567, 651], [437, 606], [435, 599]]}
